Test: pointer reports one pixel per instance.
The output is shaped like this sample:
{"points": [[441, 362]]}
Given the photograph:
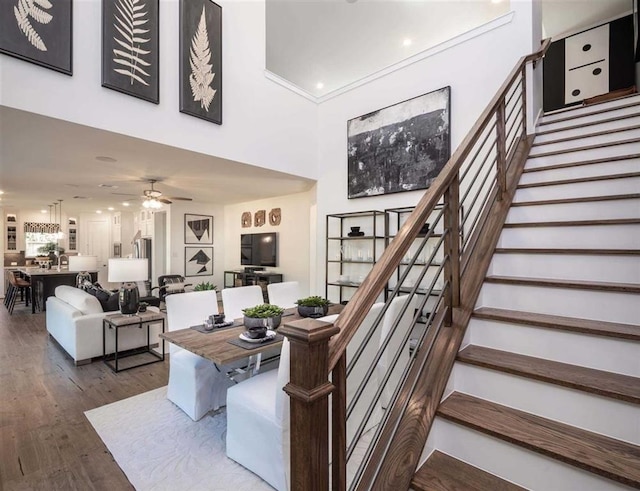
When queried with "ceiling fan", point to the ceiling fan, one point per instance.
{"points": [[153, 198]]}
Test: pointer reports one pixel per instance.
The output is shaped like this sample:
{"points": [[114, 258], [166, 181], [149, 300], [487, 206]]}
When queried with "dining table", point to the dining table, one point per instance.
{"points": [[216, 346]]}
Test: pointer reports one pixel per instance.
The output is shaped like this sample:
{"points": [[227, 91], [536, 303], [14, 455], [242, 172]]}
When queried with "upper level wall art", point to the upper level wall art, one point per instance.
{"points": [[401, 147], [38, 31], [201, 59], [130, 48]]}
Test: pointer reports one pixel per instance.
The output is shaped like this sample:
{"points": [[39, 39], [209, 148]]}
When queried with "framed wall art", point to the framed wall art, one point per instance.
{"points": [[38, 31], [198, 229], [198, 261], [130, 48], [201, 59], [401, 147]]}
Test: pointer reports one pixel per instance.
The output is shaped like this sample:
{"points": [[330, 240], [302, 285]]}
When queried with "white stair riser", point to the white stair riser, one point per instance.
{"points": [[605, 187], [568, 302], [523, 467], [586, 140], [606, 268], [581, 130], [583, 155], [590, 412], [588, 111], [604, 169], [598, 352], [591, 210], [575, 237]]}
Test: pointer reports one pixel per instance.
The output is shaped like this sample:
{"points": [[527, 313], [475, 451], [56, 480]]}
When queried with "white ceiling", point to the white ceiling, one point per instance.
{"points": [[334, 41]]}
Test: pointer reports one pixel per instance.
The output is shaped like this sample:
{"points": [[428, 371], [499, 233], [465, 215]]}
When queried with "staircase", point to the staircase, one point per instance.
{"points": [[545, 393]]}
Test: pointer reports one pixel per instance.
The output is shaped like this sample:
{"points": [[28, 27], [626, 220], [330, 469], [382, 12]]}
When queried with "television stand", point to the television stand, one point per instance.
{"points": [[240, 277]]}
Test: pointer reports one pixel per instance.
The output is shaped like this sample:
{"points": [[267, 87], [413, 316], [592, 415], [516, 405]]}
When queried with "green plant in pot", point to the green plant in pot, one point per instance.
{"points": [[262, 317], [313, 307], [50, 249], [205, 285]]}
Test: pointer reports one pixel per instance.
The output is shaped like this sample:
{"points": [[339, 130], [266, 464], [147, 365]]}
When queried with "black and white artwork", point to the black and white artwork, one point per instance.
{"points": [[130, 49], [198, 229], [198, 261], [201, 59], [401, 147], [38, 31]]}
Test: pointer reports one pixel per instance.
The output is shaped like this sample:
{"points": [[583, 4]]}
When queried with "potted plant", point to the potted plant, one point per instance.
{"points": [[50, 250], [205, 285], [265, 315], [313, 307]]}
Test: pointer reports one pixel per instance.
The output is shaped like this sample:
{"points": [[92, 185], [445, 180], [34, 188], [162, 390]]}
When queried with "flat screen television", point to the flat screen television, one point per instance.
{"points": [[259, 249]]}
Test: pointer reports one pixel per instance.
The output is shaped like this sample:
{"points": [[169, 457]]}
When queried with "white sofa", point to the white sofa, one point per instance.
{"points": [[74, 320]]}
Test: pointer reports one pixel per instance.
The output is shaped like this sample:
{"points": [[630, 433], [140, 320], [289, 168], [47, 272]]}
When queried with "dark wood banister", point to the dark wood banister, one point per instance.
{"points": [[315, 353]]}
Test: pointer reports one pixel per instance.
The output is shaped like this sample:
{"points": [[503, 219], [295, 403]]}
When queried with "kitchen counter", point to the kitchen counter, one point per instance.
{"points": [[45, 281]]}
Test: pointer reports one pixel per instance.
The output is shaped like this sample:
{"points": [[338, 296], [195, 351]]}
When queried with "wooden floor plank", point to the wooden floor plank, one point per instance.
{"points": [[596, 453], [587, 326], [606, 384], [573, 284], [442, 472]]}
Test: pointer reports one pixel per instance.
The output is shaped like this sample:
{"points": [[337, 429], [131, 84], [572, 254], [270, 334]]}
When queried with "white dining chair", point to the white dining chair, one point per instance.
{"points": [[196, 385], [236, 299], [284, 294]]}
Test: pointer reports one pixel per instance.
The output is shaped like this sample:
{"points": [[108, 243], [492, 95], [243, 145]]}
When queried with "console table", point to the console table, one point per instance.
{"points": [[240, 277]]}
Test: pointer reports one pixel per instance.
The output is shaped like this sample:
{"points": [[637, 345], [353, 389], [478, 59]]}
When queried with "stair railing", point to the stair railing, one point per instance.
{"points": [[377, 354]]}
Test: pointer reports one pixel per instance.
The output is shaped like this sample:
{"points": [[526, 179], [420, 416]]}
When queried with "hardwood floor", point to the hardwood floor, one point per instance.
{"points": [[46, 442]]}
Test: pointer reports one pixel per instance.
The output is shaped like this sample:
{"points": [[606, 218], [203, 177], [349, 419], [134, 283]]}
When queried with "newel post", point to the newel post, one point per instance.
{"points": [[309, 390]]}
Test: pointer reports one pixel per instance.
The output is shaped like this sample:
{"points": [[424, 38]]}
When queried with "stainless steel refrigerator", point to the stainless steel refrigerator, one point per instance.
{"points": [[142, 249]]}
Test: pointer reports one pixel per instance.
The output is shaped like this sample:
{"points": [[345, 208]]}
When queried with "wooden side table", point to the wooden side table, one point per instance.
{"points": [[116, 322]]}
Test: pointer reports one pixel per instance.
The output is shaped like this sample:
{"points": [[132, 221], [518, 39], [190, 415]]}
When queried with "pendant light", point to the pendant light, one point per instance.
{"points": [[60, 234]]}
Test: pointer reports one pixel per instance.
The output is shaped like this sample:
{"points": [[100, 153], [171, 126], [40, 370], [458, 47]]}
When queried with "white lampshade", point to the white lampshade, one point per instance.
{"points": [[128, 270], [83, 263]]}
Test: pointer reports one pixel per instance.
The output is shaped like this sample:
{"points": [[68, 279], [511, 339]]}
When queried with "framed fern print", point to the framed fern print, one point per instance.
{"points": [[130, 47], [201, 59], [38, 31]]}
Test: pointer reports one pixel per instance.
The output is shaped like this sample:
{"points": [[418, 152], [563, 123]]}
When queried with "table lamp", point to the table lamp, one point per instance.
{"points": [[82, 265], [127, 272]]}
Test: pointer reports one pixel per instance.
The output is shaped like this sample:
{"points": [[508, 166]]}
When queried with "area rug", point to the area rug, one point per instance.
{"points": [[159, 447]]}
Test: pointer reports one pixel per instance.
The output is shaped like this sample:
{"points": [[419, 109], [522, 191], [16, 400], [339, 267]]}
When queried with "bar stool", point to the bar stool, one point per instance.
{"points": [[17, 285]]}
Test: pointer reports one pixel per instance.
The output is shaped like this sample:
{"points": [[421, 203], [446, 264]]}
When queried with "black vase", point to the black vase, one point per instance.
{"points": [[313, 312]]}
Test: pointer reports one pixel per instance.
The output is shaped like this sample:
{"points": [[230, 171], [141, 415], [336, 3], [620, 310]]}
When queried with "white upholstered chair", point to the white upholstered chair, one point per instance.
{"points": [[196, 385], [236, 299], [284, 294]]}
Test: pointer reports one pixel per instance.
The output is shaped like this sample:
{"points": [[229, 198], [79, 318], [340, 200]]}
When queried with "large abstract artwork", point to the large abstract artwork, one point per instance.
{"points": [[198, 261], [130, 49], [198, 229], [201, 59], [401, 147], [38, 31]]}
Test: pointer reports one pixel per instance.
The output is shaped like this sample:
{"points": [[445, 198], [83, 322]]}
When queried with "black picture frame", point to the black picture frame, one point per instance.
{"points": [[198, 229], [402, 147], [198, 261], [141, 78], [201, 59], [46, 41]]}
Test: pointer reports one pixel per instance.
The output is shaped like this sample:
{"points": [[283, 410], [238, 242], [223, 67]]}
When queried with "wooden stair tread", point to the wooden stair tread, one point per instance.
{"points": [[587, 326], [590, 123], [584, 148], [596, 453], [579, 163], [441, 472], [577, 180], [584, 199], [573, 284], [587, 135], [586, 115], [574, 223], [577, 252], [608, 384]]}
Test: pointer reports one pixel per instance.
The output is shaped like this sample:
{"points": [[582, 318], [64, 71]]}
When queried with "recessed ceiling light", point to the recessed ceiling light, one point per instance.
{"points": [[99, 212], [496, 1], [43, 211], [319, 85], [125, 203], [111, 208], [1, 192], [102, 158], [407, 42]]}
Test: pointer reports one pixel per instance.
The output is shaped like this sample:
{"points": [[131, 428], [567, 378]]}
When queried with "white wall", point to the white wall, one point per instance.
{"points": [[176, 245], [264, 124], [474, 69], [293, 234]]}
